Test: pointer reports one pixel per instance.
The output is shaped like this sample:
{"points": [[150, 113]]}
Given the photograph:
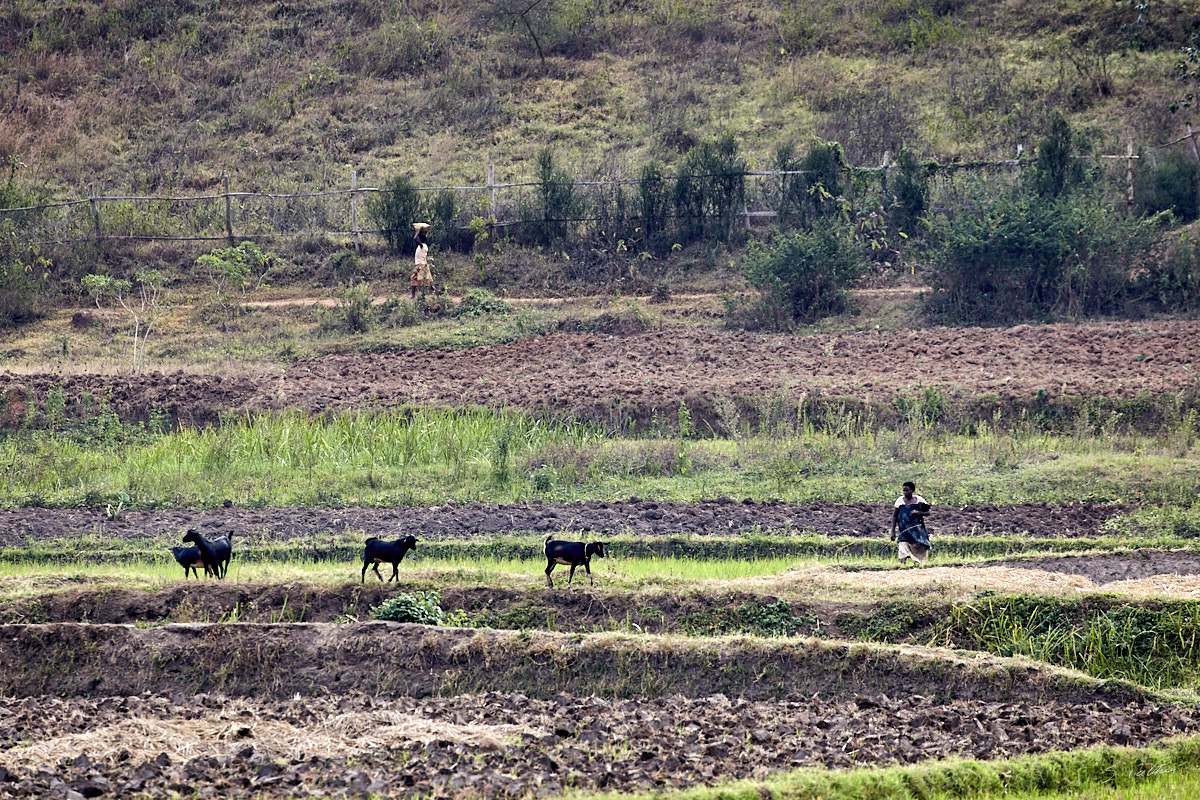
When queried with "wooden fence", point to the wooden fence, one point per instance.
{"points": [[233, 216]]}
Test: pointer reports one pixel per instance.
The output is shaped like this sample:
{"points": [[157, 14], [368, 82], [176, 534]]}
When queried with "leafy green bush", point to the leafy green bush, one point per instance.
{"points": [[421, 607], [23, 294], [1010, 256], [555, 206], [1172, 284], [394, 210], [807, 272], [653, 202], [1171, 185], [710, 190], [480, 302], [354, 308]]}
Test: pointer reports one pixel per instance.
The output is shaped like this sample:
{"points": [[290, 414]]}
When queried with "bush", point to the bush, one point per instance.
{"points": [[394, 210], [1171, 186], [556, 206], [710, 190], [421, 607], [480, 302], [1055, 170], [1015, 256], [653, 203], [806, 272], [1173, 284], [354, 308], [23, 295]]}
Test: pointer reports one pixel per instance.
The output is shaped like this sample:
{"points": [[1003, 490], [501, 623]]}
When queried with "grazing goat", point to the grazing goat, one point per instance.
{"points": [[214, 553], [379, 552], [570, 554], [190, 559]]}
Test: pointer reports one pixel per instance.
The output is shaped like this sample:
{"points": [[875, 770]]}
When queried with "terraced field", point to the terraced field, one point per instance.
{"points": [[725, 639]]}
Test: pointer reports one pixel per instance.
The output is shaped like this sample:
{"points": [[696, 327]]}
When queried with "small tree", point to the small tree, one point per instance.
{"points": [[557, 204], [394, 210], [145, 305], [1055, 169]]}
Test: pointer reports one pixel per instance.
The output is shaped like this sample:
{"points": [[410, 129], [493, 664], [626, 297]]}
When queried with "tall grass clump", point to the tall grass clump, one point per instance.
{"points": [[1151, 646]]}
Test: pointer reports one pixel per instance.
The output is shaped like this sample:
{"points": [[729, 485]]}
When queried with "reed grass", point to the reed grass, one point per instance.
{"points": [[427, 456]]}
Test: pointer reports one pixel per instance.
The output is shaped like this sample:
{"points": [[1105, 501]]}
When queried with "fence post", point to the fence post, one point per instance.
{"points": [[1020, 147], [354, 206], [491, 188], [1129, 173], [1192, 139], [228, 210], [95, 213]]}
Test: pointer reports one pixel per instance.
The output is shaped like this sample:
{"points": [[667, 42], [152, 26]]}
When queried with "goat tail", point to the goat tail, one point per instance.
{"points": [[546, 541]]}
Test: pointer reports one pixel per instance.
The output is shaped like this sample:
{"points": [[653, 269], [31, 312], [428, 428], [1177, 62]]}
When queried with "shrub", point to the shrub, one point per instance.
{"points": [[911, 189], [1172, 284], [807, 272], [421, 607], [1055, 170], [556, 205], [23, 293], [654, 203], [394, 210], [710, 190], [479, 302], [1016, 256], [354, 308], [1171, 185]]}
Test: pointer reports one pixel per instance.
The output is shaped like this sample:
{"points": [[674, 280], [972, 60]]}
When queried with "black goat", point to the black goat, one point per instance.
{"points": [[570, 554], [215, 553], [379, 552], [190, 559]]}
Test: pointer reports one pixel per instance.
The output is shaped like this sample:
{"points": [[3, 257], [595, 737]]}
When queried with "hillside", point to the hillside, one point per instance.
{"points": [[145, 96]]}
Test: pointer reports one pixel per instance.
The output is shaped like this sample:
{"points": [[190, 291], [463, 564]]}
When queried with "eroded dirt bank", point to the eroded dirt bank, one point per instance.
{"points": [[510, 744], [637, 517], [616, 379]]}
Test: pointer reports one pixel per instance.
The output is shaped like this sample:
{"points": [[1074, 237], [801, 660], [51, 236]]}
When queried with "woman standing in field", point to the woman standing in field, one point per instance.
{"points": [[421, 276], [908, 517]]}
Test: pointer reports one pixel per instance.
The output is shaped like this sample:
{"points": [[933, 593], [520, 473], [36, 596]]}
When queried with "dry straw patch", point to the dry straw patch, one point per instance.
{"points": [[1167, 587], [224, 732], [951, 583]]}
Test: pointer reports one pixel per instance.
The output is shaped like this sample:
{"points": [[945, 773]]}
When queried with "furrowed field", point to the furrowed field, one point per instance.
{"points": [[749, 633]]}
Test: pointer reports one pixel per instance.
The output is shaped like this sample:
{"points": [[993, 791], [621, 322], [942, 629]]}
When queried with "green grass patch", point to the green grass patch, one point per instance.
{"points": [[426, 456], [1169, 771]]}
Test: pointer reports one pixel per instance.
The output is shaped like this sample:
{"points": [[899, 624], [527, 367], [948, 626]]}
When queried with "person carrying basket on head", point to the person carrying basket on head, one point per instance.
{"points": [[421, 276]]}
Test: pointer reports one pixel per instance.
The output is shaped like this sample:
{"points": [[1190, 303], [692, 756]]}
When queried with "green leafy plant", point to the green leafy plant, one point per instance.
{"points": [[807, 272], [394, 210], [145, 306], [421, 607]]}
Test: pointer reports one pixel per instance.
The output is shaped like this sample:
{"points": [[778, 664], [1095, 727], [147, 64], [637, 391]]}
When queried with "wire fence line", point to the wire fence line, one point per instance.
{"points": [[238, 215]]}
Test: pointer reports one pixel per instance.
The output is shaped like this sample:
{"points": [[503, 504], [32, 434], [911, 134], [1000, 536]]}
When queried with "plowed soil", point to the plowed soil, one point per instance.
{"points": [[606, 377], [633, 516]]}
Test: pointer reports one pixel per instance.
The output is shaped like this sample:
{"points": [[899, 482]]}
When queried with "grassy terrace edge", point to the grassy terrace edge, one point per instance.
{"points": [[1166, 771], [387, 658]]}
